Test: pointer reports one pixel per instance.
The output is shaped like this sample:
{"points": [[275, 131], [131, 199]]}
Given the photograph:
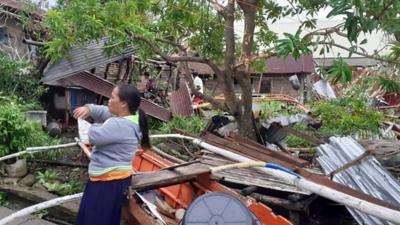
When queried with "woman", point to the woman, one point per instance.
{"points": [[115, 142]]}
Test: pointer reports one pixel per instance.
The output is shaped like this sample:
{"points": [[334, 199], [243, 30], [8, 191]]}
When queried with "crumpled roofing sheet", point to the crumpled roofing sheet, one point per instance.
{"points": [[368, 176]]}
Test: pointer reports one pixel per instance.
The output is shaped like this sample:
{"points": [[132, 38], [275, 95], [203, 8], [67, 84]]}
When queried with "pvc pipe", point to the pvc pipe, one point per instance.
{"points": [[37, 149], [43, 205], [302, 183]]}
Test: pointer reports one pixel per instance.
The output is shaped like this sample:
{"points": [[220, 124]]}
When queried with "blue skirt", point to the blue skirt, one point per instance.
{"points": [[102, 202]]}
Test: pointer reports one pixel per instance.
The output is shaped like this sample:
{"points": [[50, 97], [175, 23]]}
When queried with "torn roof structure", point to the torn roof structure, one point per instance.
{"points": [[81, 58], [73, 70]]}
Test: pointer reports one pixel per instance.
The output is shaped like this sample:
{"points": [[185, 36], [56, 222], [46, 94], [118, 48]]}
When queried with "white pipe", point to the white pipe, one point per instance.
{"points": [[43, 205], [172, 136], [37, 149], [302, 183]]}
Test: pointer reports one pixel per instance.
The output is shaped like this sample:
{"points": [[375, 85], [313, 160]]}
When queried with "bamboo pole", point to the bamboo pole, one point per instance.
{"points": [[43, 205], [84, 148], [37, 149]]}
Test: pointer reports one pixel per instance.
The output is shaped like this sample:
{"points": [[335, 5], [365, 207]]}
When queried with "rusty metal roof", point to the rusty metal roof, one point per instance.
{"points": [[103, 87], [81, 58], [181, 103], [276, 65], [200, 68]]}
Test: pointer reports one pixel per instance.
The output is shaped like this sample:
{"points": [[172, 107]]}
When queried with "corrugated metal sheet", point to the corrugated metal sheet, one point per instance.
{"points": [[253, 150], [103, 87], [368, 176], [181, 103], [155, 110], [276, 65], [92, 82], [250, 177], [353, 61], [81, 58]]}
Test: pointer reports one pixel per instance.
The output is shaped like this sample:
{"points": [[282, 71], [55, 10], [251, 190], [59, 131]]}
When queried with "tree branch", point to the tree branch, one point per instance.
{"points": [[176, 58], [358, 53], [248, 60], [326, 31], [219, 8], [382, 13], [183, 59], [182, 48]]}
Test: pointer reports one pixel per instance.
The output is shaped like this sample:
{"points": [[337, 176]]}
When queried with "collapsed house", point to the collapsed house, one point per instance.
{"points": [[12, 32], [87, 75]]}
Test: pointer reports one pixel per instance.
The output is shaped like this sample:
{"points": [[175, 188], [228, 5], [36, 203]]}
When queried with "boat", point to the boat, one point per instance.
{"points": [[181, 195]]}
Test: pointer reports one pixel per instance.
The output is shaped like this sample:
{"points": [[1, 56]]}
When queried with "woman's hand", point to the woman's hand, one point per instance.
{"points": [[82, 112]]}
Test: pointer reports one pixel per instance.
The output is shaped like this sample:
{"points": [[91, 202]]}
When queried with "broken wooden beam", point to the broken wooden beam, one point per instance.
{"points": [[163, 178]]}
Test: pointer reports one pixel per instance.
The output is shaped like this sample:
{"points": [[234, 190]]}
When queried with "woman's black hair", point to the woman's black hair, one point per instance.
{"points": [[131, 96]]}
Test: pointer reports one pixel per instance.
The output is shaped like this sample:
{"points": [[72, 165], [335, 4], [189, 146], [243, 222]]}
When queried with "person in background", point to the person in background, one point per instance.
{"points": [[115, 142], [198, 84], [150, 83]]}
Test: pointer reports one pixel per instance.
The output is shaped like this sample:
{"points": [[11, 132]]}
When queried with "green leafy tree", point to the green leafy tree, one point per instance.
{"points": [[172, 29], [16, 131], [18, 76]]}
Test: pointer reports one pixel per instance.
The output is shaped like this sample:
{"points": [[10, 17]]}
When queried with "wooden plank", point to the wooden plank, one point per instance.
{"points": [[163, 178]]}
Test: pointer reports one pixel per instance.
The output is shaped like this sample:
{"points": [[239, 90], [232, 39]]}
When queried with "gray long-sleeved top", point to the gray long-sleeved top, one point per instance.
{"points": [[115, 141]]}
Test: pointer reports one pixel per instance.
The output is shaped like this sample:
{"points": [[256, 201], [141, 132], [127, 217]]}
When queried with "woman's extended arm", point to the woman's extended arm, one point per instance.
{"points": [[99, 113]]}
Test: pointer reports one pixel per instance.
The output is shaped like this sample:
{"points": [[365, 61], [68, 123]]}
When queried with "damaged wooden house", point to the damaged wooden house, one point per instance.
{"points": [[87, 75]]}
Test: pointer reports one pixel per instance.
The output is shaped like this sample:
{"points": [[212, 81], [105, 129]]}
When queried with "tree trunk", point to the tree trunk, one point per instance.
{"points": [[245, 122], [245, 118], [229, 61]]}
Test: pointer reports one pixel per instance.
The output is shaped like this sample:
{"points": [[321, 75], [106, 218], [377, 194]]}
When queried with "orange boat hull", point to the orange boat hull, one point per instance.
{"points": [[181, 195]]}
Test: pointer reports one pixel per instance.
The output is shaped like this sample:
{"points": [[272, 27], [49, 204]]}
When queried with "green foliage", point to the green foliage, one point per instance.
{"points": [[340, 72], [63, 189], [17, 77], [47, 176], [389, 85], [366, 16], [346, 116], [49, 180], [3, 199], [78, 22], [258, 65], [194, 125], [16, 132], [377, 81], [394, 51], [271, 109], [294, 45], [298, 142]]}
